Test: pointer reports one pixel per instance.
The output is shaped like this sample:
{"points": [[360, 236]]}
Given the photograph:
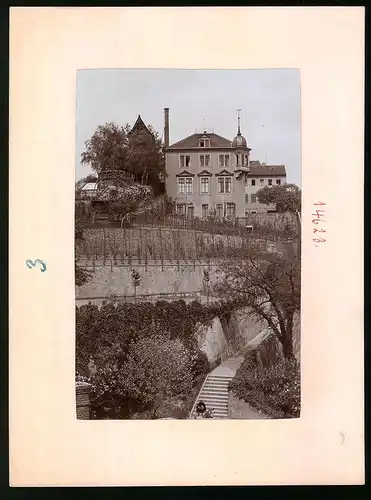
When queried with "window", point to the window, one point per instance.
{"points": [[253, 198], [185, 185], [246, 198], [191, 211], [237, 159], [219, 210], [231, 209], [223, 160], [204, 143], [224, 185], [184, 161], [278, 182], [204, 160], [270, 182], [205, 185], [181, 185], [253, 182], [205, 210], [246, 159], [262, 182], [181, 209], [254, 211]]}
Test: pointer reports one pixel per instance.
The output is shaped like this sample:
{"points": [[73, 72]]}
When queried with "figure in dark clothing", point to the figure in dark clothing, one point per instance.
{"points": [[200, 408]]}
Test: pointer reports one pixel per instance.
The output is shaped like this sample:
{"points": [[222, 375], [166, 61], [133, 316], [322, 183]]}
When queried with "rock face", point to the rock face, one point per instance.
{"points": [[224, 338]]}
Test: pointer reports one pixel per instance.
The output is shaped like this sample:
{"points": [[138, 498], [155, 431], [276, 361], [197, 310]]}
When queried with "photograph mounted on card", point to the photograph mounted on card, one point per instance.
{"points": [[176, 286], [187, 236]]}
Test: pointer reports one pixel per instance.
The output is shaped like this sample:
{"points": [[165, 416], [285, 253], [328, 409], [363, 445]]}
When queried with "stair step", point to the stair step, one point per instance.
{"points": [[223, 388], [219, 404], [213, 395], [219, 384], [214, 389], [218, 380]]}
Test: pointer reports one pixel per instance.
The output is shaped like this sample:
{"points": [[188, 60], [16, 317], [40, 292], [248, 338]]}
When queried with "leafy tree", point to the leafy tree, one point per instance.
{"points": [[135, 280], [157, 369], [115, 149], [206, 280], [270, 286], [106, 150], [287, 197]]}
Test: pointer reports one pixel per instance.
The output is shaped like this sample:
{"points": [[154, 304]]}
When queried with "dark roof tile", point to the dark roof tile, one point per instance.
{"points": [[216, 141], [266, 170]]}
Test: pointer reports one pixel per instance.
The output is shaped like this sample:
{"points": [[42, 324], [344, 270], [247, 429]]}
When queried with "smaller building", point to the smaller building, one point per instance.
{"points": [[89, 190]]}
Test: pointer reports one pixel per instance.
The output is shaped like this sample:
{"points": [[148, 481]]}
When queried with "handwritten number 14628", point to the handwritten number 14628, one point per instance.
{"points": [[319, 213]]}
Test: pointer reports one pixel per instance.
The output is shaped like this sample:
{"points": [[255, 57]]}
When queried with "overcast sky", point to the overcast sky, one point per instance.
{"points": [[269, 99]]}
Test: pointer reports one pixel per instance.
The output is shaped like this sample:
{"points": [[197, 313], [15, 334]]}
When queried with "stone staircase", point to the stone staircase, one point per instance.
{"points": [[214, 391]]}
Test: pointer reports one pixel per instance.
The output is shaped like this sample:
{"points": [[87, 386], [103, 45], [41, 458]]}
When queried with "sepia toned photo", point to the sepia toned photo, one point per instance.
{"points": [[188, 244]]}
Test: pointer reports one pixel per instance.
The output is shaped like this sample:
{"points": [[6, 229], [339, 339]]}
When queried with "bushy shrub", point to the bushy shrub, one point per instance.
{"points": [[274, 390], [113, 337]]}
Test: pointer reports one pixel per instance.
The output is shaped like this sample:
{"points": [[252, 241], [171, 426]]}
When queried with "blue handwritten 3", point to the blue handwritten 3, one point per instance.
{"points": [[30, 264]]}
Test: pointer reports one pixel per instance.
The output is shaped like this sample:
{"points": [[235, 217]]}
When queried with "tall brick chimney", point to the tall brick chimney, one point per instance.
{"points": [[166, 128]]}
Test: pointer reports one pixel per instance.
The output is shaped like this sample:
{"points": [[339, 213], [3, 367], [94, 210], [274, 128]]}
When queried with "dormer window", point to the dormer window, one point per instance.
{"points": [[204, 143]]}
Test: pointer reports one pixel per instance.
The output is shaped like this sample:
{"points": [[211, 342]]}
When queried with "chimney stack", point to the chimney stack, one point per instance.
{"points": [[166, 128]]}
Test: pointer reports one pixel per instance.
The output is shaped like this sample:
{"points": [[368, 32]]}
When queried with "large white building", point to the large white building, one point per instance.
{"points": [[207, 173]]}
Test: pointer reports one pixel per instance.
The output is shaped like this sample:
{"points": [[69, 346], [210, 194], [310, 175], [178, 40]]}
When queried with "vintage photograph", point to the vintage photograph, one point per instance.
{"points": [[188, 244]]}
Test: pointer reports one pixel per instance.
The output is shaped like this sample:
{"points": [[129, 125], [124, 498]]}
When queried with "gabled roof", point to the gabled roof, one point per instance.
{"points": [[216, 141], [139, 126], [266, 170]]}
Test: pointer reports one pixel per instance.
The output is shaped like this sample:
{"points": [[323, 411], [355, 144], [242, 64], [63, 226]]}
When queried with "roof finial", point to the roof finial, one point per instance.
{"points": [[239, 121], [205, 125]]}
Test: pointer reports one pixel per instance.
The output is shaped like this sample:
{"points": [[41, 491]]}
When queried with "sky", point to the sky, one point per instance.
{"points": [[269, 100]]}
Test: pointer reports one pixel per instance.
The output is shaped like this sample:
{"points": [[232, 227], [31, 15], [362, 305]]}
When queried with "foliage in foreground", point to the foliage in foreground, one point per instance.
{"points": [[125, 348], [274, 390]]}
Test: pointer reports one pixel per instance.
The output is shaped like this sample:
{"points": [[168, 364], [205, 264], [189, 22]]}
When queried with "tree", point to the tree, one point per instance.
{"points": [[106, 150], [206, 280], [135, 280], [157, 369], [270, 286], [287, 197], [114, 150]]}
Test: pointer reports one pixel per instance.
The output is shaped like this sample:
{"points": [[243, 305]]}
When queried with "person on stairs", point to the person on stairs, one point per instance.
{"points": [[200, 409]]}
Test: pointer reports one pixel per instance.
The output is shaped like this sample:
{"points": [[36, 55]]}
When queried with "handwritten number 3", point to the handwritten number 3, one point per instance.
{"points": [[30, 264]]}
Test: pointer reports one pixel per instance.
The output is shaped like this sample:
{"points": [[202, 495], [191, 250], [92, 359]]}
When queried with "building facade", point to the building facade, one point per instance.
{"points": [[210, 175]]}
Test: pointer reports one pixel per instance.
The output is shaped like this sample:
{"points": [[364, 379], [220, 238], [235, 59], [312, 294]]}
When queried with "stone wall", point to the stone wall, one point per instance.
{"points": [[224, 338], [117, 281], [83, 400]]}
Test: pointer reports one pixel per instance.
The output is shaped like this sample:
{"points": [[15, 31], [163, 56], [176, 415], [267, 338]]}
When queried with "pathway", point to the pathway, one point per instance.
{"points": [[214, 392]]}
